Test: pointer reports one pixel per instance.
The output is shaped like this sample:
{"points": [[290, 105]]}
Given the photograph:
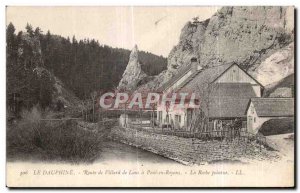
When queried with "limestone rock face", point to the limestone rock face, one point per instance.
{"points": [[245, 35], [276, 67], [259, 39], [133, 75], [154, 83]]}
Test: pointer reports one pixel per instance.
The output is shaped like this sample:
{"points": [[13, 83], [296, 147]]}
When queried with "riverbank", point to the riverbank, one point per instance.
{"points": [[191, 151]]}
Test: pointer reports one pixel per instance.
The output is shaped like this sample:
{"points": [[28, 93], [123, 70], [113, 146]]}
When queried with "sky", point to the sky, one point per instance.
{"points": [[152, 29]]}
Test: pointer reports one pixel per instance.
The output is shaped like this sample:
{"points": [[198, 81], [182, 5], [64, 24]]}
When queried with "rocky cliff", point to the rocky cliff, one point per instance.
{"points": [[245, 35], [257, 38], [133, 75], [275, 67]]}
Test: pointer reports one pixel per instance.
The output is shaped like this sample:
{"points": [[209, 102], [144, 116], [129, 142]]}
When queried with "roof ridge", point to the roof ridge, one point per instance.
{"points": [[185, 69], [192, 76], [219, 65]]}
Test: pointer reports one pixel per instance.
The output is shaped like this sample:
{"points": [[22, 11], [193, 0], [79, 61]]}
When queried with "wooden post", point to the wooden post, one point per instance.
{"points": [[140, 117], [259, 144]]}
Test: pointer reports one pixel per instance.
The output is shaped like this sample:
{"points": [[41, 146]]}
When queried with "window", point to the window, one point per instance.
{"points": [[254, 119], [178, 118], [167, 118], [160, 116]]}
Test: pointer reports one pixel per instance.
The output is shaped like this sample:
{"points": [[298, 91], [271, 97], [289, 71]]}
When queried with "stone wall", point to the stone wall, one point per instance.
{"points": [[193, 151]]}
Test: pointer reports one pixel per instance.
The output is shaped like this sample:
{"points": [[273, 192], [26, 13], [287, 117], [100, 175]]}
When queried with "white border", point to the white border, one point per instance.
{"points": [[3, 3]]}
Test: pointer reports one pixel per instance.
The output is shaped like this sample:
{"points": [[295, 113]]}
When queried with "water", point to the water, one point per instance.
{"points": [[115, 151]]}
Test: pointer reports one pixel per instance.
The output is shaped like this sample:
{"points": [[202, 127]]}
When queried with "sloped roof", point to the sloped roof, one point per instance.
{"points": [[229, 100], [181, 72], [273, 107], [207, 75]]}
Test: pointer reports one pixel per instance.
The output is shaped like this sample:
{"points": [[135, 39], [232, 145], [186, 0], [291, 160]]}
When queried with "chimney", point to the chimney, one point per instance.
{"points": [[195, 65]]}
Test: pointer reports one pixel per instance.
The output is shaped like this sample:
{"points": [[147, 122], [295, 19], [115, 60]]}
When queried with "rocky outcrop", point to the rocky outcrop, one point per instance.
{"points": [[31, 45], [154, 83], [245, 35], [259, 39], [133, 75], [276, 67]]}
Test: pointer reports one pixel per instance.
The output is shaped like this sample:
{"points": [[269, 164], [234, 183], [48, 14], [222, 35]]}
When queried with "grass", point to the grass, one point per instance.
{"points": [[53, 140]]}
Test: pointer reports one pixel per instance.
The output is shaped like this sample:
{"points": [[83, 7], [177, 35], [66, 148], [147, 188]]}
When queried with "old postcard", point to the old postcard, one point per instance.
{"points": [[150, 96]]}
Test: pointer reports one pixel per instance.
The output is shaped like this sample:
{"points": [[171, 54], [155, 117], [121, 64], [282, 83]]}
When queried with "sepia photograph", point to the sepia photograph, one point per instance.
{"points": [[150, 96]]}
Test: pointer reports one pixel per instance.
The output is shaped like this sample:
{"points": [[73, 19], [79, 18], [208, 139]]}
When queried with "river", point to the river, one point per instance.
{"points": [[115, 151]]}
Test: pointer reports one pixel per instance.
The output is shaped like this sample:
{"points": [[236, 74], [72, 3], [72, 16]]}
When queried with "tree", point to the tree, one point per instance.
{"points": [[84, 109], [10, 29], [153, 107], [38, 32], [167, 106], [82, 65], [10, 36], [93, 97], [196, 19], [46, 90], [29, 30], [48, 36], [74, 41], [202, 115]]}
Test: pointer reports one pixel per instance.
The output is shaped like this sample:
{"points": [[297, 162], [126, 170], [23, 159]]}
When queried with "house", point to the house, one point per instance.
{"points": [[223, 93], [260, 110]]}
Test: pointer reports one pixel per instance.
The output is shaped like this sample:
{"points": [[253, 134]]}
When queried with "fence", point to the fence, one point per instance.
{"points": [[86, 125], [228, 134]]}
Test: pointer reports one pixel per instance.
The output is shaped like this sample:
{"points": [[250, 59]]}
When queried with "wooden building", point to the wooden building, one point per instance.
{"points": [[260, 110], [223, 93]]}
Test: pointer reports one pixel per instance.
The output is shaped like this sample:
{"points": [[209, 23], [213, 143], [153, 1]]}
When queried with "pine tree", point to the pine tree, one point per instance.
{"points": [[38, 32], [29, 30], [10, 36]]}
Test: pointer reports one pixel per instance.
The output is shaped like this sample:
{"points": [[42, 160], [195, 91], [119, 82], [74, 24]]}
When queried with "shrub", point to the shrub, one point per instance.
{"points": [[53, 140], [20, 135]]}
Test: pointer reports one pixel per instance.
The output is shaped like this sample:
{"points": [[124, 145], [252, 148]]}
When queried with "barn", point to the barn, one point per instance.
{"points": [[223, 92]]}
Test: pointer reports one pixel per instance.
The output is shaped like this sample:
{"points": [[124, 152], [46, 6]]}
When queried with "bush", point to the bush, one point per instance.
{"points": [[53, 140]]}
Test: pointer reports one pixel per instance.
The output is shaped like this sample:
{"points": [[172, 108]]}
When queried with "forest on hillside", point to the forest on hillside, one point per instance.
{"points": [[34, 57]]}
